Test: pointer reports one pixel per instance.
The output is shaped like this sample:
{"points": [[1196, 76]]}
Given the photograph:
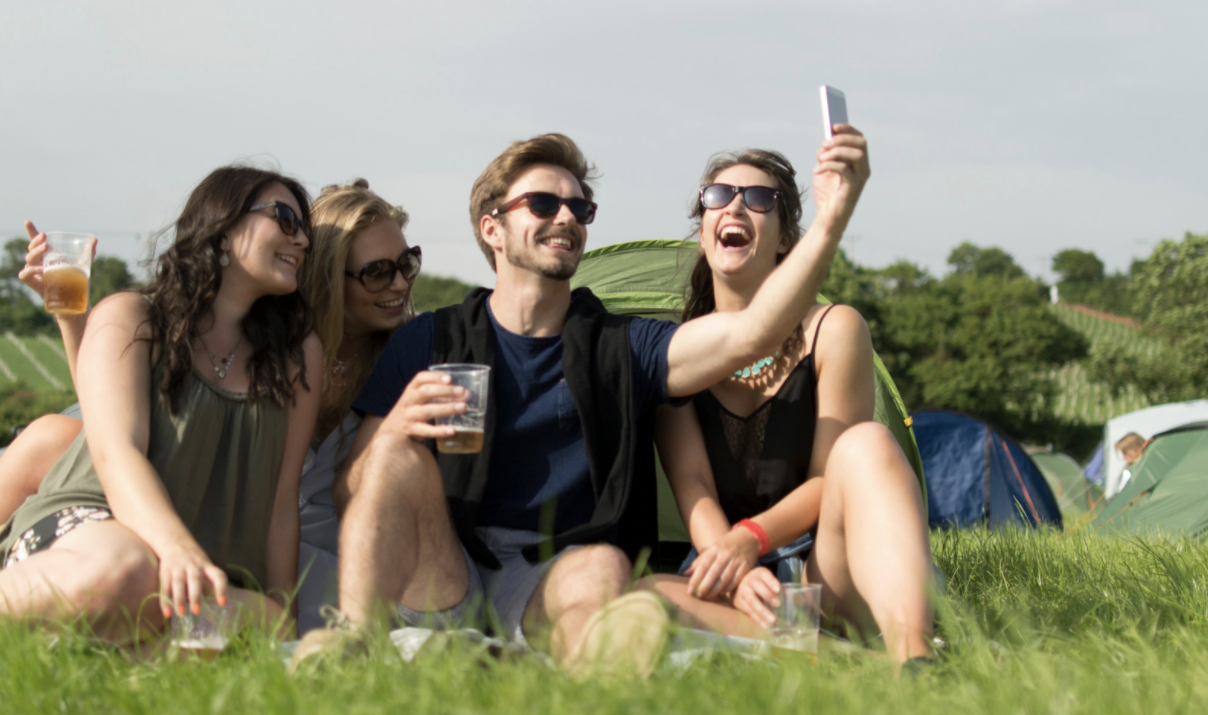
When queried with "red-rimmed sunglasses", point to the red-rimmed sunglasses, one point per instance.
{"points": [[377, 275], [546, 205]]}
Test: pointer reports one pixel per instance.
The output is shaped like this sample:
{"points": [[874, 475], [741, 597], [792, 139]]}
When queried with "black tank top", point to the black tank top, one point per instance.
{"points": [[758, 460]]}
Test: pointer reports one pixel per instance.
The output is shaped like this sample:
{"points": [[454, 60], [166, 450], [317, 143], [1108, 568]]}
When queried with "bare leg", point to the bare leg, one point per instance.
{"points": [[101, 572], [30, 457], [397, 543], [719, 616], [578, 586], [872, 555]]}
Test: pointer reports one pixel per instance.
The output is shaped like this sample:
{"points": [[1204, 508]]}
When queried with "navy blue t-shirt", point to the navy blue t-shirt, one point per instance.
{"points": [[539, 455]]}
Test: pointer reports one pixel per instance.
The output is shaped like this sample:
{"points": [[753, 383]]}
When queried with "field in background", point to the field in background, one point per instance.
{"points": [[1092, 403], [38, 362]]}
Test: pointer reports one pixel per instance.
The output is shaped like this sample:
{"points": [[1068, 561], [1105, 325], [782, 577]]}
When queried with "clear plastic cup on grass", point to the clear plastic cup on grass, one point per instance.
{"points": [[205, 635], [797, 619]]}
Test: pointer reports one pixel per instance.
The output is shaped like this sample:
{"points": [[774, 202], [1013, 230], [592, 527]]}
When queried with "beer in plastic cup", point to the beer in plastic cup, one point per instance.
{"points": [[66, 267], [469, 424], [203, 636], [797, 618]]}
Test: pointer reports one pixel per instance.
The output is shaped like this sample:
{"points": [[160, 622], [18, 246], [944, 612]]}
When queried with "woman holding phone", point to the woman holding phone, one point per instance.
{"points": [[197, 393], [782, 461], [358, 280]]}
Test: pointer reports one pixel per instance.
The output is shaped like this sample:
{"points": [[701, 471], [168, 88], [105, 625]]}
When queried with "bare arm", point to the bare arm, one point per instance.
{"points": [[705, 350], [115, 398], [283, 533], [681, 448], [70, 326]]}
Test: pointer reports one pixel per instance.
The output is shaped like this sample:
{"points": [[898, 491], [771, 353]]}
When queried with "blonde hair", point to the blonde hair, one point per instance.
{"points": [[492, 185], [340, 214], [1129, 442]]}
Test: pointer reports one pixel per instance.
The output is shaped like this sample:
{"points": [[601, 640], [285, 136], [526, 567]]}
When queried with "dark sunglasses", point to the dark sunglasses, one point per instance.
{"points": [[286, 218], [543, 205], [377, 276], [759, 199]]}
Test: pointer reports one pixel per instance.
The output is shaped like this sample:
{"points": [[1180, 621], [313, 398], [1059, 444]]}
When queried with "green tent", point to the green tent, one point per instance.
{"points": [[1074, 492], [1168, 489], [647, 278]]}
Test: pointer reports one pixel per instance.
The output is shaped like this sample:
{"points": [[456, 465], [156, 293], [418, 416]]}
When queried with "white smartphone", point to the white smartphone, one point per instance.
{"points": [[834, 108]]}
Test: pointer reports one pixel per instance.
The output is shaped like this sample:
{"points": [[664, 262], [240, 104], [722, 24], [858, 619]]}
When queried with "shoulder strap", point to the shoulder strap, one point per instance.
{"points": [[818, 327]]}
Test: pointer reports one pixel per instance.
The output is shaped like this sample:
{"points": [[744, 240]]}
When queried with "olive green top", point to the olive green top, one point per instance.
{"points": [[219, 458]]}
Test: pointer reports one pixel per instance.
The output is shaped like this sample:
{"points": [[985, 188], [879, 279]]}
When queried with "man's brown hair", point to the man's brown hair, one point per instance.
{"points": [[493, 184]]}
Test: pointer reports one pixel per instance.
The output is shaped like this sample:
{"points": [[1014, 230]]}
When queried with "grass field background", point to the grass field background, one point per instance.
{"points": [[1037, 622], [46, 352], [1080, 399]]}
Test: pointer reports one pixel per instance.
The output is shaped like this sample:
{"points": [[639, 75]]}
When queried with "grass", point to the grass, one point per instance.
{"points": [[1086, 402], [25, 371], [1038, 622]]}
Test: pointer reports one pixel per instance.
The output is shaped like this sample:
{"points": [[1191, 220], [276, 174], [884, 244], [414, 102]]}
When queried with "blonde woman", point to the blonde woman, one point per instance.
{"points": [[359, 282]]}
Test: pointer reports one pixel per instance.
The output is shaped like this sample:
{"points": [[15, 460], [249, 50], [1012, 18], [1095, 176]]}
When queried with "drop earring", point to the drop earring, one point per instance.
{"points": [[224, 260]]}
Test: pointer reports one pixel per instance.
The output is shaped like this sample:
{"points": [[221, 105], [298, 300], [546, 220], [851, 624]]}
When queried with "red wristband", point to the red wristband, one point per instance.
{"points": [[765, 544]]}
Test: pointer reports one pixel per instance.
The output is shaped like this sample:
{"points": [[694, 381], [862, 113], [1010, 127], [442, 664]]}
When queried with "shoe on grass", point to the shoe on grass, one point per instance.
{"points": [[625, 638], [338, 641]]}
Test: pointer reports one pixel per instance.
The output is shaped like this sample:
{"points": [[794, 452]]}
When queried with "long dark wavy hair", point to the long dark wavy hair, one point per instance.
{"points": [[698, 296], [187, 279]]}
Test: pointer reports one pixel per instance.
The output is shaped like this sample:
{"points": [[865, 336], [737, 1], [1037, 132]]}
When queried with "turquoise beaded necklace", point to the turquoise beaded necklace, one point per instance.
{"points": [[763, 364], [756, 367]]}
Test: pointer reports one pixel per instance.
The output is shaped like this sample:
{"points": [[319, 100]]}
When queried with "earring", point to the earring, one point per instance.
{"points": [[224, 260]]}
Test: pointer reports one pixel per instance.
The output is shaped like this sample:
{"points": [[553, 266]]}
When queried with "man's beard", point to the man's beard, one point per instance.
{"points": [[558, 268]]}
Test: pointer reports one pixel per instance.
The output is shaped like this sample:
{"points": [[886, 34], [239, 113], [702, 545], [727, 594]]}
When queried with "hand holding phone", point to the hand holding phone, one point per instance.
{"points": [[834, 109]]}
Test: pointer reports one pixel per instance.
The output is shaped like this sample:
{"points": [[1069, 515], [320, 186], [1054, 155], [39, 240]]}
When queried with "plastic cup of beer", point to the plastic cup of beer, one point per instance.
{"points": [[66, 267], [797, 618], [468, 437], [202, 636]]}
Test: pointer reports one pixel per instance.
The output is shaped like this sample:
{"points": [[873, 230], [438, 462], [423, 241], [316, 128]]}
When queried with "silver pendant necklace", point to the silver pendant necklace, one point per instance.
{"points": [[226, 364]]}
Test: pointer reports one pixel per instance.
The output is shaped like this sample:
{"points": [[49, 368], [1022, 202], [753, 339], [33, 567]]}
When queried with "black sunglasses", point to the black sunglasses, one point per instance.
{"points": [[377, 275], [544, 205], [759, 199], [286, 218]]}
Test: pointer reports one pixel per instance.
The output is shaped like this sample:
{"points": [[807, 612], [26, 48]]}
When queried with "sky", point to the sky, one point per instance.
{"points": [[1032, 126]]}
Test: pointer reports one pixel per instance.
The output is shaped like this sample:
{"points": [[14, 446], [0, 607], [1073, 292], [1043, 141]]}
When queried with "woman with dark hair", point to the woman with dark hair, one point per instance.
{"points": [[358, 281], [780, 472], [196, 392]]}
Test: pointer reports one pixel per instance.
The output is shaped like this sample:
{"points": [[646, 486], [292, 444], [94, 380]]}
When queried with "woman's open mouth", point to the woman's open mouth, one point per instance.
{"points": [[734, 237]]}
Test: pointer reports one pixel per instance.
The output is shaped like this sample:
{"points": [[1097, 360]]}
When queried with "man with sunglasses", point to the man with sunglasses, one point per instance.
{"points": [[528, 525]]}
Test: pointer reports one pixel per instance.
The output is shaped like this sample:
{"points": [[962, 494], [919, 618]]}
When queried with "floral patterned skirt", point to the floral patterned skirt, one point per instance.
{"points": [[42, 534]]}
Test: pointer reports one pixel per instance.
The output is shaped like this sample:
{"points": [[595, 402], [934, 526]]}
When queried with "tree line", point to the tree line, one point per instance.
{"points": [[982, 340]]}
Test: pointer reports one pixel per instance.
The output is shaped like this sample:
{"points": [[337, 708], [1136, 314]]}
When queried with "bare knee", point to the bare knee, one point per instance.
{"points": [[119, 580], [867, 455], [395, 468], [601, 573]]}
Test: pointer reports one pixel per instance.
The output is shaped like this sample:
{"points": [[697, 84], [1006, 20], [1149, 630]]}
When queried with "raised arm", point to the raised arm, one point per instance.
{"points": [[114, 387], [283, 532], [70, 326], [708, 348]]}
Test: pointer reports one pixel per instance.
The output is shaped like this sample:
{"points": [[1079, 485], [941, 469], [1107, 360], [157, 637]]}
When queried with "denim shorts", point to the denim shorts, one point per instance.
{"points": [[785, 562]]}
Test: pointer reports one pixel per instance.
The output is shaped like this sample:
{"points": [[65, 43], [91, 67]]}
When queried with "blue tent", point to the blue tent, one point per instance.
{"points": [[976, 474]]}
